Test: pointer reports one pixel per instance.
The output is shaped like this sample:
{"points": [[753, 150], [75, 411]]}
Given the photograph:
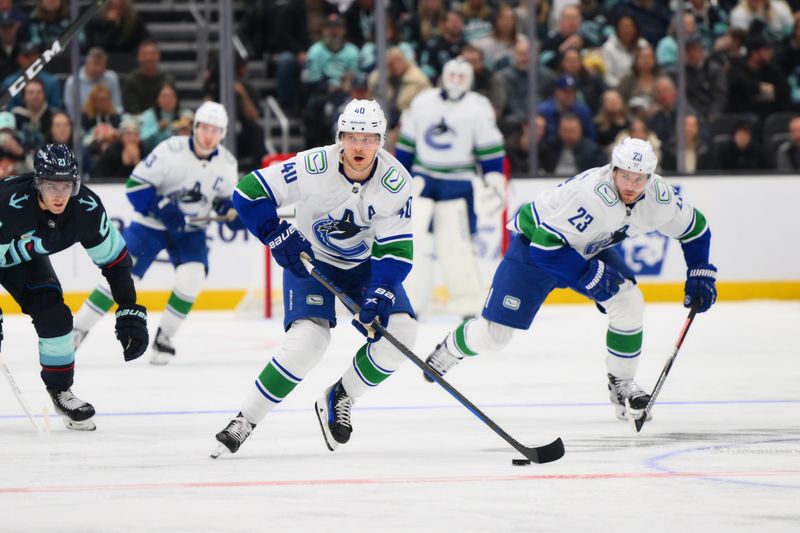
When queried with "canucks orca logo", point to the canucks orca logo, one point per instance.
{"points": [[618, 236], [345, 229], [440, 135]]}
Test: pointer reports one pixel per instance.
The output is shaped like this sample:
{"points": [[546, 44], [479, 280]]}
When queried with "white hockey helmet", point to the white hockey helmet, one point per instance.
{"points": [[635, 155], [362, 116], [212, 113], [456, 77]]}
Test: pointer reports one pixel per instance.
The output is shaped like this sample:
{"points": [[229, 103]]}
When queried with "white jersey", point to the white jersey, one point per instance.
{"points": [[586, 214], [449, 139], [345, 221], [175, 172]]}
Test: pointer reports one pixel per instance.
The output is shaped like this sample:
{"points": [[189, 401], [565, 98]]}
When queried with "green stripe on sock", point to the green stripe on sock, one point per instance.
{"points": [[179, 304], [624, 344], [369, 371], [460, 337], [276, 383], [101, 300]]}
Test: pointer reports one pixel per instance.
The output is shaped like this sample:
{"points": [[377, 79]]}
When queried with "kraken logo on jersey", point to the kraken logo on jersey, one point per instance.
{"points": [[440, 136], [344, 229], [18, 250]]}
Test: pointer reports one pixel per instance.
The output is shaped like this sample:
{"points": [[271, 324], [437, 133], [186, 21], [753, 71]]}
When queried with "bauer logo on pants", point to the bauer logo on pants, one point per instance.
{"points": [[509, 302]]}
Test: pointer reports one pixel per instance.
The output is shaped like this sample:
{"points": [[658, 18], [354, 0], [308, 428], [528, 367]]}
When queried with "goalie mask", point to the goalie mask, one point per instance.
{"points": [[456, 78]]}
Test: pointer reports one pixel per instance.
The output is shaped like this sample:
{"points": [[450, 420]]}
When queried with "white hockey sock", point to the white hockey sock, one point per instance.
{"points": [[374, 362], [477, 335], [189, 278], [624, 337], [93, 308]]}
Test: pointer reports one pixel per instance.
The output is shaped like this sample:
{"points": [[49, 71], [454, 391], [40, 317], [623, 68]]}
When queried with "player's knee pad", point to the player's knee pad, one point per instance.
{"points": [[303, 346], [189, 278], [404, 329], [43, 301], [483, 335], [626, 308]]}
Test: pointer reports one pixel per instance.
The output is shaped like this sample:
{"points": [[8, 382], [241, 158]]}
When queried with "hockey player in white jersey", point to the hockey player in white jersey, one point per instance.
{"points": [[564, 239], [450, 143], [353, 215], [183, 178]]}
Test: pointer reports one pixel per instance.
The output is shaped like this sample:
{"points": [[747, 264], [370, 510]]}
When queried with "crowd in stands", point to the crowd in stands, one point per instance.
{"points": [[605, 69]]}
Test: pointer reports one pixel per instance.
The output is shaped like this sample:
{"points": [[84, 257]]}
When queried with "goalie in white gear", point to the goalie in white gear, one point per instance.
{"points": [[566, 238], [450, 143], [183, 178], [353, 216]]}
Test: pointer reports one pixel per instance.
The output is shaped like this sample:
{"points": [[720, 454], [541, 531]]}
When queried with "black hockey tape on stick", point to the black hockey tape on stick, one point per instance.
{"points": [[50, 52], [637, 423], [537, 454]]}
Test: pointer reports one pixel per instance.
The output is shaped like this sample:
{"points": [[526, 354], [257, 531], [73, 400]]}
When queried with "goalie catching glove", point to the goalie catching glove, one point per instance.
{"points": [[377, 304], [131, 329], [489, 194]]}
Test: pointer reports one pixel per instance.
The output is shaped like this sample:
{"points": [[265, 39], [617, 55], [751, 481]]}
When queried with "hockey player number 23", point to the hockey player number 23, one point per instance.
{"points": [[582, 220]]}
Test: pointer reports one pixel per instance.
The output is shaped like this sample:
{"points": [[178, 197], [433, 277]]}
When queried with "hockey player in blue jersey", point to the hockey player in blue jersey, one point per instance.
{"points": [[450, 143], [46, 212], [353, 214], [181, 180], [564, 239]]}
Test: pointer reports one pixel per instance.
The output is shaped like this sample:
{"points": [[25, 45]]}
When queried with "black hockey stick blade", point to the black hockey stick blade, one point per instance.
{"points": [[52, 50], [536, 454]]}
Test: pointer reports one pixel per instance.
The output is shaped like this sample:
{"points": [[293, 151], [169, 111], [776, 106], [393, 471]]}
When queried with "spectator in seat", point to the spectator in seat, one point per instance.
{"points": [[29, 53], [116, 28], [482, 77], [652, 17], [478, 16], [565, 100], [33, 116], [611, 119], [9, 43], [443, 48], [571, 153], [99, 123], [788, 157], [590, 85], [12, 153], [698, 155], [142, 86], [122, 155], [741, 153], [47, 23], [756, 83], [775, 16], [427, 23], [19, 14], [638, 129], [93, 72], [60, 129], [498, 47], [155, 124], [641, 80], [662, 120], [405, 80], [619, 48], [518, 147], [567, 36]]}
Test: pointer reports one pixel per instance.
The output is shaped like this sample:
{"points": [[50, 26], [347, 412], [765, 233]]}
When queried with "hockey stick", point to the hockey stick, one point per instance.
{"points": [[282, 213], [637, 423], [20, 397], [537, 454], [47, 55]]}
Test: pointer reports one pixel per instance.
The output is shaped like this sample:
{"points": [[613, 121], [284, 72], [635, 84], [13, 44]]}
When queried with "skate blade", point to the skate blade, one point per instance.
{"points": [[220, 450], [330, 442], [160, 359], [83, 425]]}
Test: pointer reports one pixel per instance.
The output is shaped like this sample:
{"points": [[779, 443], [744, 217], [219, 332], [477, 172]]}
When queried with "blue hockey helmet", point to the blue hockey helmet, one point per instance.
{"points": [[56, 162]]}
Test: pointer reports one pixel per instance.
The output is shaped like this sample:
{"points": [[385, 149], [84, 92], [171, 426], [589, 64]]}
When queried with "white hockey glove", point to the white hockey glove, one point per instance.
{"points": [[489, 192]]}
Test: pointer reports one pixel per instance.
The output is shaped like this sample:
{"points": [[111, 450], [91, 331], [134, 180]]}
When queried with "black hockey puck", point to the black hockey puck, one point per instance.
{"points": [[520, 462]]}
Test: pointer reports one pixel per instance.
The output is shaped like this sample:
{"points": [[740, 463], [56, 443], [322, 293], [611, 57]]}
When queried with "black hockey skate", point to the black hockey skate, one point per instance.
{"points": [[441, 360], [75, 413], [622, 389], [333, 412], [163, 351], [233, 436]]}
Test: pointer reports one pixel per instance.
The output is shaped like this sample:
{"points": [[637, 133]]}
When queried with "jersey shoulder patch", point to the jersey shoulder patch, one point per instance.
{"points": [[315, 161], [174, 144], [664, 193], [607, 193], [393, 180]]}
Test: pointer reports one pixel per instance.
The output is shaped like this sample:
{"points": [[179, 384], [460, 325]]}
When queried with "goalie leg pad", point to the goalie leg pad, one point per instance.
{"points": [[419, 282], [302, 348], [624, 337], [374, 362], [455, 255]]}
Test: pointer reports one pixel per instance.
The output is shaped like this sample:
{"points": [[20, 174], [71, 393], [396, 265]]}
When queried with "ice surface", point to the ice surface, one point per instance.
{"points": [[722, 452]]}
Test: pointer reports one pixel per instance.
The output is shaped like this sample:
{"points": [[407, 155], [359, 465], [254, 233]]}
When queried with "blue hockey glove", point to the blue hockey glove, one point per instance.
{"points": [[168, 213], [225, 208], [701, 287], [601, 281], [377, 303], [286, 244]]}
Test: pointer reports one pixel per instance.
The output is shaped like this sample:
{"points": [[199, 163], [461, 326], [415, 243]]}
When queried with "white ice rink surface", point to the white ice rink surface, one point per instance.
{"points": [[722, 452]]}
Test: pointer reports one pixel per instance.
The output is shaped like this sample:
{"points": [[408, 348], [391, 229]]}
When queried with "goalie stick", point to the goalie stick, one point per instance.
{"points": [[637, 423], [50, 52], [537, 454]]}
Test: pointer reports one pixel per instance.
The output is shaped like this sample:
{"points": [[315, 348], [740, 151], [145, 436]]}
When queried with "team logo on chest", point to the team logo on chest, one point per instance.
{"points": [[440, 136], [335, 233]]}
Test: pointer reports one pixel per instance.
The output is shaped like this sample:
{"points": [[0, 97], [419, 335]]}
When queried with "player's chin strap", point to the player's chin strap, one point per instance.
{"points": [[537, 454]]}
